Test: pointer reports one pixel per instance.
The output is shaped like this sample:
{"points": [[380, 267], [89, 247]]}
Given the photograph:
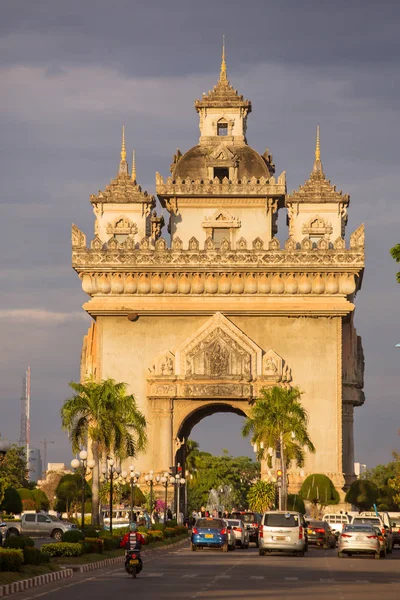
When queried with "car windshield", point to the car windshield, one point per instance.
{"points": [[281, 520], [359, 528], [210, 524], [366, 520], [247, 518], [317, 524]]}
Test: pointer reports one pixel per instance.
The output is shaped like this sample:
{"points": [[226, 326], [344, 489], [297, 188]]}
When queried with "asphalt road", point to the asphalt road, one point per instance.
{"points": [[240, 575]]}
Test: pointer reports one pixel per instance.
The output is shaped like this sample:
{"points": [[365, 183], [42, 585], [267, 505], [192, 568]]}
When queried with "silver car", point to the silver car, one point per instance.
{"points": [[240, 531], [282, 531], [359, 539]]}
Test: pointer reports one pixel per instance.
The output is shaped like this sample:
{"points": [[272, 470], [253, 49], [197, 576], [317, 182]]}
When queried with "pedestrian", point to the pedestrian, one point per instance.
{"points": [[202, 512], [169, 513]]}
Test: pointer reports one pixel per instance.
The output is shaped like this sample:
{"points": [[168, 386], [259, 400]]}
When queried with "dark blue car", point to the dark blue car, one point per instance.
{"points": [[209, 533]]}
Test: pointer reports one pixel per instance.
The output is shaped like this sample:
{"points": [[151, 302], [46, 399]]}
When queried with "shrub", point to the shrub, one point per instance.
{"points": [[21, 541], [28, 504], [41, 500], [11, 559], [11, 502], [63, 549], [73, 535], [94, 545], [319, 489], [170, 532], [158, 527], [110, 544], [363, 494], [296, 502], [32, 556], [261, 496], [172, 523], [154, 536], [92, 532], [181, 529]]}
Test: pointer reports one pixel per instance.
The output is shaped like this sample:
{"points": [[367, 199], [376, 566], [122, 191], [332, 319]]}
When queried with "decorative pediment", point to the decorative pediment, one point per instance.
{"points": [[317, 226], [78, 238], [222, 156], [357, 238], [122, 225], [164, 365], [221, 218], [219, 350]]}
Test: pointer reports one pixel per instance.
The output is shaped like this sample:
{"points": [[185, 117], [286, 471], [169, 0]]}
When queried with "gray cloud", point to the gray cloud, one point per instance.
{"points": [[72, 74]]}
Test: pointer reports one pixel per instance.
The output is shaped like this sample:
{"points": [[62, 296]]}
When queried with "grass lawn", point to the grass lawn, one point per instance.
{"points": [[86, 558], [26, 572]]}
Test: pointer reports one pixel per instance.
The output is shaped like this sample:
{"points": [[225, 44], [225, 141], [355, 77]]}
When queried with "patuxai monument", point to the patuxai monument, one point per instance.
{"points": [[197, 314]]}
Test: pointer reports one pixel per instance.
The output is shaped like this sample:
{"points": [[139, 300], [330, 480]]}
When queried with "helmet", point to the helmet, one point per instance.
{"points": [[132, 526]]}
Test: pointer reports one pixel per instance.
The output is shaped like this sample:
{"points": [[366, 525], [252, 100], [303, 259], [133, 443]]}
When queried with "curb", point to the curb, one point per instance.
{"points": [[26, 584], [96, 565]]}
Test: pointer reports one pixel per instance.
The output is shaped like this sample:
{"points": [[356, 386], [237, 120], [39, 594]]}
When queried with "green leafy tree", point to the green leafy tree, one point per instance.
{"points": [[41, 500], [261, 496], [69, 492], [49, 486], [13, 471], [192, 455], [278, 420], [383, 476], [11, 503], [394, 482], [395, 252], [107, 416], [363, 494], [218, 472], [320, 491]]}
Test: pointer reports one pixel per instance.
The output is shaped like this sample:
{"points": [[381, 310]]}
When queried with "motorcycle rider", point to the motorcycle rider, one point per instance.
{"points": [[126, 540]]}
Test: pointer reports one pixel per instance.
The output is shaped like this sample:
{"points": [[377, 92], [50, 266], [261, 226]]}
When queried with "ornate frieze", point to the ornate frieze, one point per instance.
{"points": [[122, 226]]}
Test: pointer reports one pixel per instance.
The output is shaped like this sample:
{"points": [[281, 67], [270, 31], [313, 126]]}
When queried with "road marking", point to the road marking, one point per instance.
{"points": [[291, 578], [256, 576], [189, 575], [152, 574]]}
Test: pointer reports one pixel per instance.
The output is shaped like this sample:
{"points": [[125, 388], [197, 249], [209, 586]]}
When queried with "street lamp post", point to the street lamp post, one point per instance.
{"points": [[178, 482], [165, 480], [84, 464], [149, 479], [110, 473], [133, 478]]}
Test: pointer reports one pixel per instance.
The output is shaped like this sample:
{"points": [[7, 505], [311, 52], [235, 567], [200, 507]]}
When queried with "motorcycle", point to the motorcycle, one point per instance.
{"points": [[133, 562]]}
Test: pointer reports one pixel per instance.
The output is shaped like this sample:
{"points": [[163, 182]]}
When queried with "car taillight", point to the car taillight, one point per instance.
{"points": [[300, 533], [261, 532], [372, 537], [239, 529], [194, 530], [383, 531], [319, 530], [223, 532], [345, 535]]}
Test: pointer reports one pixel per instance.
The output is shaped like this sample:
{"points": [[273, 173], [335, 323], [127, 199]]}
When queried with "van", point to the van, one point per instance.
{"points": [[337, 521], [282, 531]]}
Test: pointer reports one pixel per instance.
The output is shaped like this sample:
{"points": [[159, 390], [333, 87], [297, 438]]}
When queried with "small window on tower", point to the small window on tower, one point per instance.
{"points": [[222, 129], [221, 173]]}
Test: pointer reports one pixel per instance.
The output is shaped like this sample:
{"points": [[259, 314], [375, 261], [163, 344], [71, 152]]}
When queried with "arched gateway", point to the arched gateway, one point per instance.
{"points": [[200, 324]]}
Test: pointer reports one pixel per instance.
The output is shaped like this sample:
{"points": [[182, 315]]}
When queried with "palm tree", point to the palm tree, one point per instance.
{"points": [[278, 419], [107, 416], [192, 454]]}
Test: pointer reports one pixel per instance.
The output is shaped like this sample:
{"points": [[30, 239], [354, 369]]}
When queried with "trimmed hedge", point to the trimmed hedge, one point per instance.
{"points": [[110, 543], [21, 541], [63, 549], [93, 545], [11, 559], [92, 532], [73, 535], [33, 556]]}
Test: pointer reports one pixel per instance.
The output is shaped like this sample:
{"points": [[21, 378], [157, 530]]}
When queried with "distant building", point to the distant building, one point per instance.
{"points": [[56, 467], [359, 469], [35, 464]]}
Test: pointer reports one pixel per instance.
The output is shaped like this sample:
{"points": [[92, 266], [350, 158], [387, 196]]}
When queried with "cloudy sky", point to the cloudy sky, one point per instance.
{"points": [[71, 73]]}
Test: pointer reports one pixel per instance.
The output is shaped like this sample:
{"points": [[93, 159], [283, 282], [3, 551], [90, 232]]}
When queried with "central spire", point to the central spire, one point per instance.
{"points": [[317, 168], [222, 75], [123, 165]]}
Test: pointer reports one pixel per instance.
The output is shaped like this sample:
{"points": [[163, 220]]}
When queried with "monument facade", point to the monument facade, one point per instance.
{"points": [[199, 319]]}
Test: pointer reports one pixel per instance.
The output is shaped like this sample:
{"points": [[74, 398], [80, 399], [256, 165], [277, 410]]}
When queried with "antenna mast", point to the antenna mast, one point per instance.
{"points": [[24, 435]]}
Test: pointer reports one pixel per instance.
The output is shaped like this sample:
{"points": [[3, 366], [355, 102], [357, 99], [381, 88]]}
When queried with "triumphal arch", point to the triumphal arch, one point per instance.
{"points": [[198, 313]]}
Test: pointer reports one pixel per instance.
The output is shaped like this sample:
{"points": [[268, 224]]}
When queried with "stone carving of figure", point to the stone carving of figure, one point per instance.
{"points": [[167, 367], [219, 360], [270, 366], [178, 443]]}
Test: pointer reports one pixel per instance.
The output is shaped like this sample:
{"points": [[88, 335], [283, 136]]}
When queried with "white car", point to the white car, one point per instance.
{"points": [[240, 531], [337, 522]]}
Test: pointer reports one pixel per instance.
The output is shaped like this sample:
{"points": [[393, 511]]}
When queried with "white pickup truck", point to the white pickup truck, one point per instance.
{"points": [[337, 522], [37, 525]]}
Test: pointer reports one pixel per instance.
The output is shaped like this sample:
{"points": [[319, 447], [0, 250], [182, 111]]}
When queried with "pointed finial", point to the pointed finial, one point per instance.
{"points": [[317, 147], [317, 168], [222, 76], [123, 165], [133, 165], [123, 149]]}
